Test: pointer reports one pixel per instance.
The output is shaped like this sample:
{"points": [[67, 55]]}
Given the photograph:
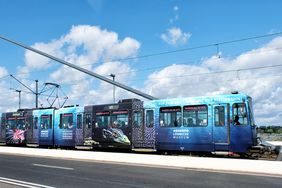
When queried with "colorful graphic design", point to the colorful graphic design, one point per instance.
{"points": [[16, 136], [116, 135]]}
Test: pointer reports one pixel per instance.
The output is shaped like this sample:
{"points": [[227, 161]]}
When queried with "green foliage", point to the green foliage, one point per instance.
{"points": [[270, 129]]}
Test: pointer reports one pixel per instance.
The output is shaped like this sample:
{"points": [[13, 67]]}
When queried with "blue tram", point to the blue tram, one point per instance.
{"points": [[209, 124], [68, 130], [196, 124]]}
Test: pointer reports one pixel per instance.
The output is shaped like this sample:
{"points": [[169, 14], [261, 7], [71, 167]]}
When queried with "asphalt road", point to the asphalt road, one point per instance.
{"points": [[70, 173]]}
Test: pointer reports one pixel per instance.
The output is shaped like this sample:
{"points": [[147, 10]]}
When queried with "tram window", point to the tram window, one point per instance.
{"points": [[170, 116], [46, 122], [21, 123], [35, 122], [239, 114], [219, 118], [66, 121], [79, 121], [250, 108], [149, 118], [88, 120], [119, 119], [102, 119], [195, 116], [11, 123], [137, 119]]}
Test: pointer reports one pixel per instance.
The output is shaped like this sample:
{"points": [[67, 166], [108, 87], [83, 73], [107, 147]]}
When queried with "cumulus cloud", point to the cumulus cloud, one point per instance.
{"points": [[86, 46], [3, 72], [222, 75], [175, 36], [35, 61]]}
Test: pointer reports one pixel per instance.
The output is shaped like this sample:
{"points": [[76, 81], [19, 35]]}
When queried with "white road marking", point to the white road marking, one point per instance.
{"points": [[23, 183], [49, 166]]}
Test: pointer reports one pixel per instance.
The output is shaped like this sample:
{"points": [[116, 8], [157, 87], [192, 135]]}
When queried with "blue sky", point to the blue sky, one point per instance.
{"points": [[126, 28]]}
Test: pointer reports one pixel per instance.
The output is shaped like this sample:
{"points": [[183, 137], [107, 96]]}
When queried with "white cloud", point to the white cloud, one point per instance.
{"points": [[264, 85], [115, 68], [96, 44], [175, 8], [9, 98], [104, 93], [175, 36], [35, 61], [3, 72], [86, 46]]}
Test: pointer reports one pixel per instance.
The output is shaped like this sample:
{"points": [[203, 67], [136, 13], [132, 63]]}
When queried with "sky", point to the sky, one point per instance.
{"points": [[152, 46]]}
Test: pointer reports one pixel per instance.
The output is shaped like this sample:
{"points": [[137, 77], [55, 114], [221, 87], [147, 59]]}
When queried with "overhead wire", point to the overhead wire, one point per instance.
{"points": [[187, 49], [188, 63], [196, 74], [180, 50], [200, 46]]}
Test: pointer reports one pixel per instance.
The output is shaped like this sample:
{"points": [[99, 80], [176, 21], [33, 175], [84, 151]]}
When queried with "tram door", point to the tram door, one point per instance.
{"points": [[32, 129], [87, 128], [221, 127], [143, 134], [79, 129], [2, 130]]}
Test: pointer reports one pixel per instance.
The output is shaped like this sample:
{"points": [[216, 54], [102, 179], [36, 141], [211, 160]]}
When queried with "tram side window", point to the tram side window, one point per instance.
{"points": [[35, 122], [88, 120], [239, 114], [79, 121], [119, 119], [219, 119], [66, 121], [46, 122], [170, 116], [11, 123], [21, 123], [250, 108], [195, 116], [102, 119], [149, 118], [137, 119]]}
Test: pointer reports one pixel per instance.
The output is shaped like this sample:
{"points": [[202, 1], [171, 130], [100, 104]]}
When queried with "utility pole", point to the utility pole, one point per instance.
{"points": [[114, 95], [19, 91], [36, 94]]}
